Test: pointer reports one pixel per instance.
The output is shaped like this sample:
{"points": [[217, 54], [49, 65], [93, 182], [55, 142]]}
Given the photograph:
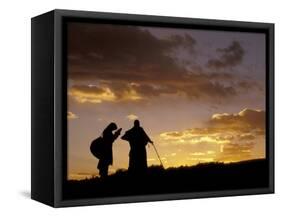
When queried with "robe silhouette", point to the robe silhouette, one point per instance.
{"points": [[106, 158], [138, 140]]}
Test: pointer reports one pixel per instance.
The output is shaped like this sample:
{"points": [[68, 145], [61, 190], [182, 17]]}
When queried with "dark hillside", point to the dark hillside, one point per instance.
{"points": [[202, 177]]}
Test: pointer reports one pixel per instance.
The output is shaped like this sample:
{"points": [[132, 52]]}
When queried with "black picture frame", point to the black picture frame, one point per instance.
{"points": [[49, 101]]}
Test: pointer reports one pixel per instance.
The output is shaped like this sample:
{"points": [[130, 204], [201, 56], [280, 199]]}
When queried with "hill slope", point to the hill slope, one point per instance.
{"points": [[202, 177]]}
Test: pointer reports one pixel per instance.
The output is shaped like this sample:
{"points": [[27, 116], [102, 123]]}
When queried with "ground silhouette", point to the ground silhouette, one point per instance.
{"points": [[157, 180]]}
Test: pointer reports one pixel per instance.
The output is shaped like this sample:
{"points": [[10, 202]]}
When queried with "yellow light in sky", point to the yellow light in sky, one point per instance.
{"points": [[71, 115], [131, 95], [82, 97], [103, 94], [132, 117], [208, 139], [219, 116]]}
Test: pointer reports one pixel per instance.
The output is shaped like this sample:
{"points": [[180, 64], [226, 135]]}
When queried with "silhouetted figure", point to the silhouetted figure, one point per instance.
{"points": [[138, 140], [106, 158]]}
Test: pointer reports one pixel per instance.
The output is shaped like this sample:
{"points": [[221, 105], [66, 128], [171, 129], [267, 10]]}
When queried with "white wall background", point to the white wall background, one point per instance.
{"points": [[15, 106]]}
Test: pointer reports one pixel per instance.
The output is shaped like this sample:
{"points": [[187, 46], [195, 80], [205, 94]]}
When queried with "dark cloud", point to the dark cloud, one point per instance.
{"points": [[122, 53], [229, 57], [123, 91], [129, 62], [217, 90], [250, 86], [246, 85], [186, 41]]}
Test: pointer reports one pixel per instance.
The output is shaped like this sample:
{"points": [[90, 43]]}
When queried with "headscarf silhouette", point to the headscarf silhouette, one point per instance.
{"points": [[107, 157]]}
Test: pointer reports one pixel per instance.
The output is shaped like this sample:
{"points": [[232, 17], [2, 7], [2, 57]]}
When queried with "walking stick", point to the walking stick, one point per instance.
{"points": [[157, 154]]}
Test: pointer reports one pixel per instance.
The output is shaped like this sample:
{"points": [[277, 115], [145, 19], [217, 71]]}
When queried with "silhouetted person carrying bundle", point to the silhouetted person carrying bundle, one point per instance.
{"points": [[138, 140], [106, 158]]}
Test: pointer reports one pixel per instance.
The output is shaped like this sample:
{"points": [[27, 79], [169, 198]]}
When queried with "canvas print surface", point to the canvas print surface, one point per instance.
{"points": [[157, 110]]}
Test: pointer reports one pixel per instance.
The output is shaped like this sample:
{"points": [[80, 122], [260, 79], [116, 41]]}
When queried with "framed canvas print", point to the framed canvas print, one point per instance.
{"points": [[130, 108]]}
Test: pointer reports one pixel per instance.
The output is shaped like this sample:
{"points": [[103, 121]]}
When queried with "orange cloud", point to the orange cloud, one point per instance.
{"points": [[71, 115], [232, 136], [94, 94], [99, 94], [197, 136], [245, 120]]}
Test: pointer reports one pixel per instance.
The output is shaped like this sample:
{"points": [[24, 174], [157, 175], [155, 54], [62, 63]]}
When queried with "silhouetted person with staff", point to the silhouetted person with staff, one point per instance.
{"points": [[106, 158], [138, 140]]}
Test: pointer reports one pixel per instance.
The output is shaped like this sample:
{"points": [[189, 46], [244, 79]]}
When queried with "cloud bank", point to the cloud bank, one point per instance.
{"points": [[128, 63], [234, 135]]}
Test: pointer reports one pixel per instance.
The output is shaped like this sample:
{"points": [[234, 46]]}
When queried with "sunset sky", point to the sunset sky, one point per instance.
{"points": [[199, 95]]}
